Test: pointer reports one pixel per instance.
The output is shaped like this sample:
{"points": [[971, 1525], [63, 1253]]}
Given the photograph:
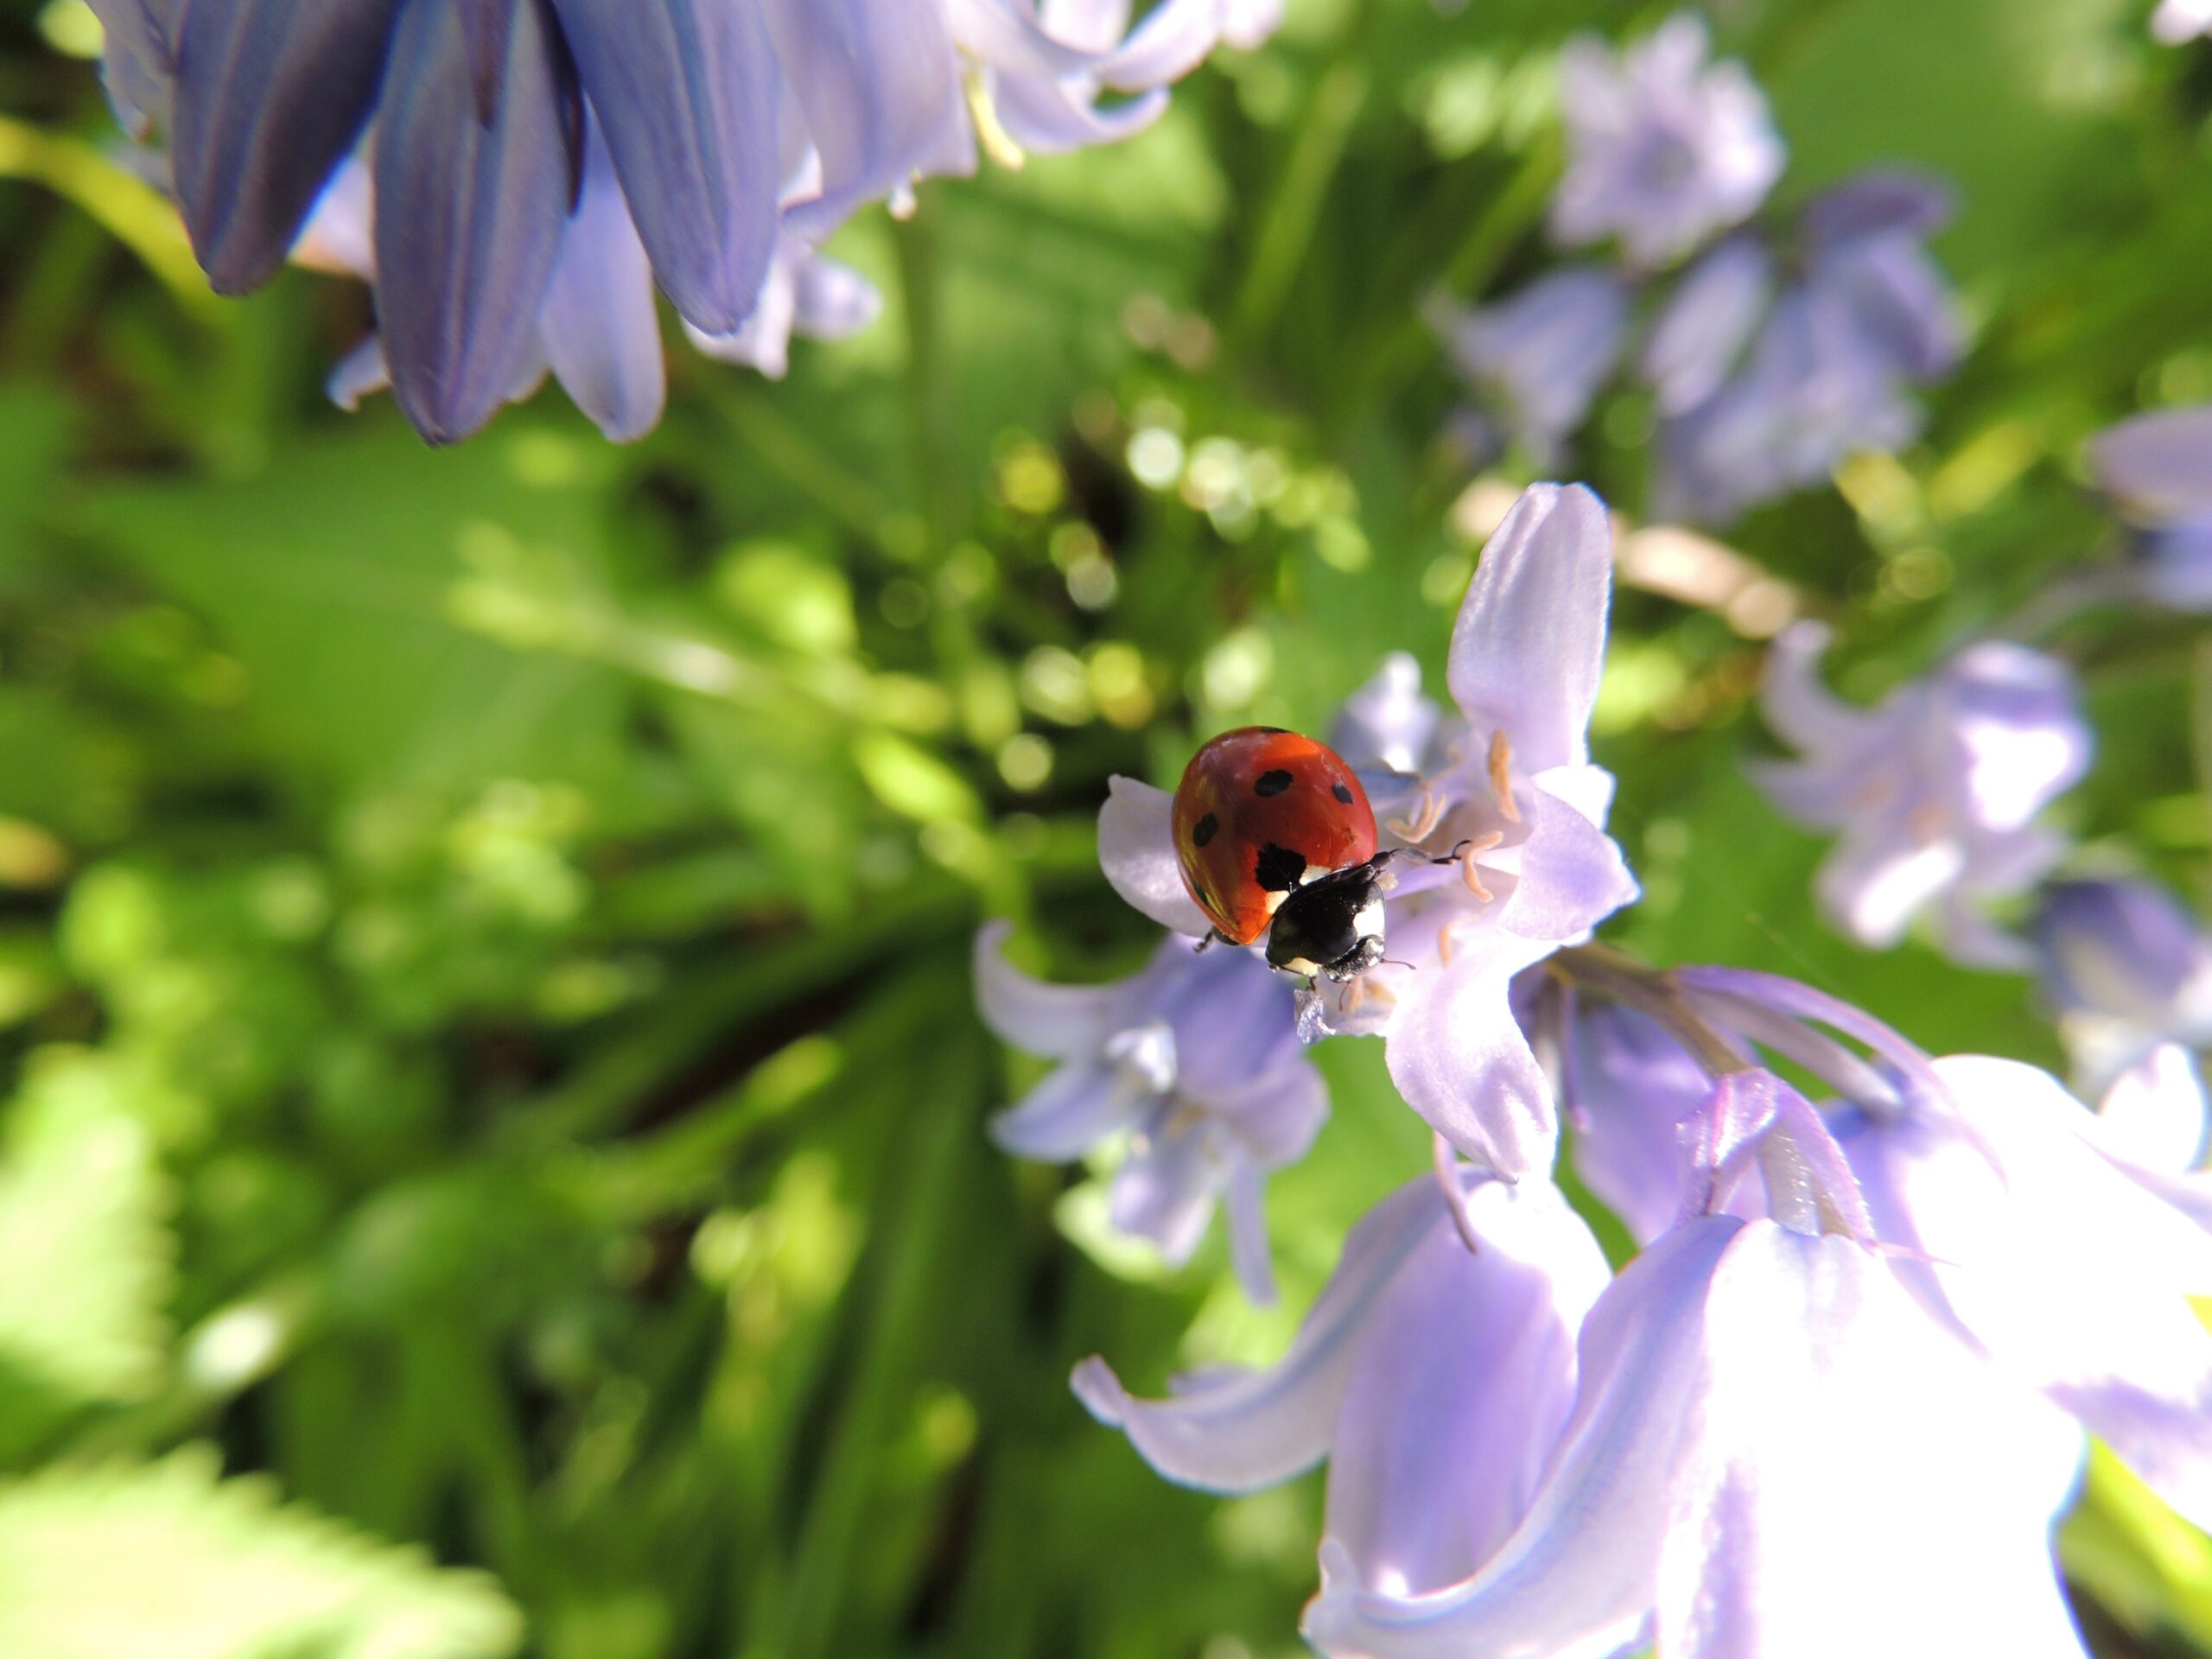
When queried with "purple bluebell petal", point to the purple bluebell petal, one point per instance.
{"points": [[1136, 848], [1233, 1432], [1802, 710], [2158, 465], [271, 95], [1173, 39], [2018, 728], [140, 69], [1901, 302], [1579, 1574], [2064, 1269], [1247, 25], [1572, 875], [1632, 1086], [832, 300], [486, 25], [1007, 35], [1529, 643], [1064, 1022], [602, 332], [470, 218], [1663, 148], [1802, 1002], [2123, 948], [1166, 1188], [2155, 1115], [1275, 1115], [1078, 1105], [1707, 323], [360, 373], [1387, 724], [1461, 1061], [2173, 564], [1464, 1378], [1245, 1202], [1046, 117], [1880, 203], [1542, 354], [686, 93], [879, 84]]}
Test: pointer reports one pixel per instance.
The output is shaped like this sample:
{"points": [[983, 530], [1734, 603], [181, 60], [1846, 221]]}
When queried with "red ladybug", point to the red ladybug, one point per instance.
{"points": [[1275, 836]]}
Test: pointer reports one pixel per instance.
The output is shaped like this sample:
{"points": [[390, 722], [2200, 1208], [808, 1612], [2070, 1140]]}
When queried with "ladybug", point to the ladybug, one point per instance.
{"points": [[1274, 836]]}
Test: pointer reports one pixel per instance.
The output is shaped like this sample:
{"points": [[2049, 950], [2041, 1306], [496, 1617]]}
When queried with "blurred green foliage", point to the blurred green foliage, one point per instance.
{"points": [[496, 1152]]}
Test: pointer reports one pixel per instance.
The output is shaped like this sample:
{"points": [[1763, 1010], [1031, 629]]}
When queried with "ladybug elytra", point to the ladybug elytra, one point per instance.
{"points": [[1274, 836]]}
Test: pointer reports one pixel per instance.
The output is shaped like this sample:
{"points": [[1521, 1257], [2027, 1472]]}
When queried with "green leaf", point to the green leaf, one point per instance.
{"points": [[84, 1256], [169, 1561]]}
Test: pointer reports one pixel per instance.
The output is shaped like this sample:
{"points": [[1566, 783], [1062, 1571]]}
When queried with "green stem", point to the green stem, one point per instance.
{"points": [[932, 399], [1287, 229], [1616, 975]]}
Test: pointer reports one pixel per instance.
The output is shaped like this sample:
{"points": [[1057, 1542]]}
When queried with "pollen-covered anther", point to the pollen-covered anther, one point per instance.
{"points": [[1468, 873], [1418, 828], [1501, 776]]}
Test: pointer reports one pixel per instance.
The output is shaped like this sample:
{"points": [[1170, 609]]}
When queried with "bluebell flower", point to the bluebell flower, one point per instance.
{"points": [[527, 154], [2158, 469], [1508, 782], [2126, 967], [1434, 1378], [1765, 386], [1935, 792], [1664, 148], [1194, 1063], [1538, 358]]}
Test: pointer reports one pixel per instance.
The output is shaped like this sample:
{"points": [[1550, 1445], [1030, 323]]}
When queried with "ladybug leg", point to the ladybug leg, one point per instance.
{"points": [[1214, 936]]}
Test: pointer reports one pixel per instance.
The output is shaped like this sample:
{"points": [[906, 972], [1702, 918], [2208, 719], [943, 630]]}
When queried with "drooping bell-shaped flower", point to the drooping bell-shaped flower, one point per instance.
{"points": [[722, 127], [1664, 148], [1434, 1378], [2158, 470], [1512, 788], [1194, 1063], [1536, 359], [2126, 967], [1773, 1450], [1765, 387], [1934, 792]]}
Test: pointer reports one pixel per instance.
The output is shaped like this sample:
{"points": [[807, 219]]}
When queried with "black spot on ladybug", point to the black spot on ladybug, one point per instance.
{"points": [[1271, 783], [1202, 830], [1273, 731], [1341, 793], [1278, 869]]}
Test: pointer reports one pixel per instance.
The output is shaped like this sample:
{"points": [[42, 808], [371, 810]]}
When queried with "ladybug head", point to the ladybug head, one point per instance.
{"points": [[1331, 926]]}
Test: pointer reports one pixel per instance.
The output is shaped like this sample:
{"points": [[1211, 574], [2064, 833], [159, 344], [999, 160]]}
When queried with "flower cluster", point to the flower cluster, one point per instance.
{"points": [[1773, 354], [2157, 468], [531, 169], [1837, 1401], [1935, 792]]}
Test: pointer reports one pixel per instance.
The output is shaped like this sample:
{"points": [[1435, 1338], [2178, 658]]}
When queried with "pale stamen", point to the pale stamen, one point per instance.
{"points": [[1422, 825], [1501, 776], [1468, 873]]}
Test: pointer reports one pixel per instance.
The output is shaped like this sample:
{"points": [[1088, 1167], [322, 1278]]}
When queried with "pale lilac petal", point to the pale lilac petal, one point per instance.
{"points": [[1005, 34], [2125, 949], [1136, 847], [1799, 706], [1233, 1432], [1460, 1059], [1707, 323], [602, 332], [1249, 1257], [1464, 1377], [1633, 1084], [1064, 1022], [1802, 1002], [361, 372], [1387, 723], [2158, 465], [686, 93], [1572, 875], [1580, 1575], [1173, 39], [2017, 727], [1543, 354], [140, 67], [833, 300], [1873, 885], [2155, 1114], [879, 84], [1529, 643], [1247, 25], [1049, 117], [1079, 1105], [1166, 1189], [2177, 20], [1275, 1114], [337, 235], [1880, 203]]}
